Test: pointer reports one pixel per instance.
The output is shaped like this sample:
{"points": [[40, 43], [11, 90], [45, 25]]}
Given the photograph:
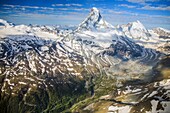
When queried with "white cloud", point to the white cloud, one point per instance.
{"points": [[71, 18], [27, 7], [78, 5], [128, 6], [145, 2], [74, 18], [12, 6], [111, 12], [149, 21], [136, 1], [115, 12], [49, 10], [81, 9], [142, 1], [147, 7]]}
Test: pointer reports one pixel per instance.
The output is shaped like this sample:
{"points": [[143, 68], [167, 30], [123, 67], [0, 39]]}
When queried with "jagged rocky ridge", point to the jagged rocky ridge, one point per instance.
{"points": [[162, 33], [41, 74]]}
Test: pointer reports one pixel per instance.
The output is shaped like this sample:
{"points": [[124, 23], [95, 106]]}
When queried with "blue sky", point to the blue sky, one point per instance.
{"points": [[152, 13]]}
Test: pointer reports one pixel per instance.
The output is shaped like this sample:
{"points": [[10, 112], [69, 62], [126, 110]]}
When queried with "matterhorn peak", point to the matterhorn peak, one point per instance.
{"points": [[95, 10], [96, 13], [94, 21]]}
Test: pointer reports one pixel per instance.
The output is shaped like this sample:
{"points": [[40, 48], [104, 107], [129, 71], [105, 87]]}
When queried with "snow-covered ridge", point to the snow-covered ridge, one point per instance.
{"points": [[163, 33], [163, 29], [5, 23]]}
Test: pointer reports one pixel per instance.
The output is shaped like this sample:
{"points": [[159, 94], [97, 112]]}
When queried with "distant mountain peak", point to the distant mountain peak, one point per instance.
{"points": [[135, 30], [163, 33], [94, 21], [5, 23], [163, 29], [136, 25]]}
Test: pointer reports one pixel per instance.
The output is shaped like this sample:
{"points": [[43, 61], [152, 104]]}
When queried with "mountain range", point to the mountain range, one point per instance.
{"points": [[48, 69]]}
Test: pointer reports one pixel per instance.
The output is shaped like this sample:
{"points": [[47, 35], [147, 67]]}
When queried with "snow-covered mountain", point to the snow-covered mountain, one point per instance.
{"points": [[45, 59], [154, 39], [135, 30]]}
